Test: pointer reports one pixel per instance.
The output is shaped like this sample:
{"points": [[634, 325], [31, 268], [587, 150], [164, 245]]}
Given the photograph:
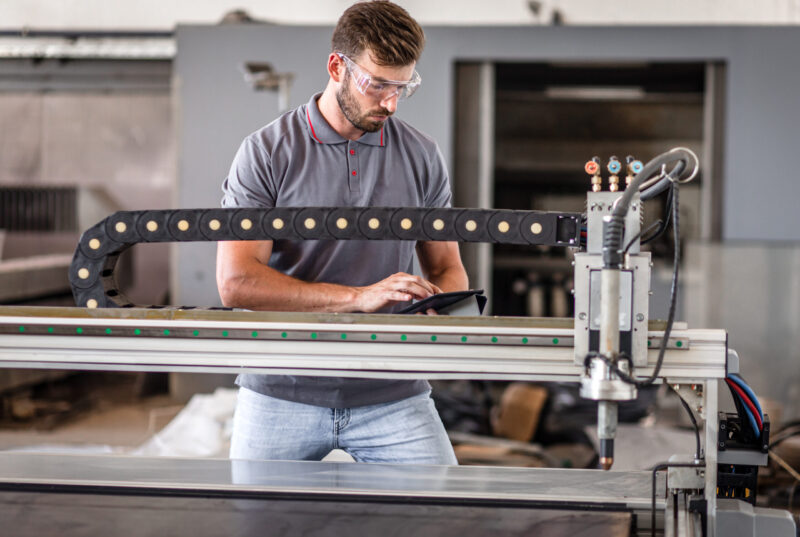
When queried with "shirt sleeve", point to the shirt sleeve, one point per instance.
{"points": [[249, 182], [438, 194]]}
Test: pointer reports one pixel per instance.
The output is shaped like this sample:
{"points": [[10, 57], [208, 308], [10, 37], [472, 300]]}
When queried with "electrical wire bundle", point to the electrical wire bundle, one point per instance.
{"points": [[746, 402]]}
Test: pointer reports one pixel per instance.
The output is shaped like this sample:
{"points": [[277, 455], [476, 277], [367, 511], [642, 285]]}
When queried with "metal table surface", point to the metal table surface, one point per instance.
{"points": [[90, 496], [21, 470]]}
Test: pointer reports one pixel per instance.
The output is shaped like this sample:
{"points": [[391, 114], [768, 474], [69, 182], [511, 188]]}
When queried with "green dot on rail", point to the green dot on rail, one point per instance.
{"points": [[108, 330], [433, 338], [344, 336], [373, 337], [21, 328], [679, 343], [224, 333], [524, 340], [254, 334], [555, 341], [50, 329], [649, 342], [284, 334], [166, 332], [195, 332], [494, 339], [137, 332], [79, 330], [463, 339], [403, 337], [313, 335]]}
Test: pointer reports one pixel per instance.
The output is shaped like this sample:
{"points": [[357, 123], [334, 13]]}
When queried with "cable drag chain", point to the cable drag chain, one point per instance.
{"points": [[93, 281]]}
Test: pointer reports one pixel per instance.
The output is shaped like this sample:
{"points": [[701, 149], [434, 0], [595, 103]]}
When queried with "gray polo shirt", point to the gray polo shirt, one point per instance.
{"points": [[298, 160]]}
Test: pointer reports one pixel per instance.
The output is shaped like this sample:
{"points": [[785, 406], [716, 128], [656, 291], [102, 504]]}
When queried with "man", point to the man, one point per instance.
{"points": [[342, 148]]}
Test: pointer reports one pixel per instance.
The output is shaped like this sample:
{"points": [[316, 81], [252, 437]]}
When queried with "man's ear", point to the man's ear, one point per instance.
{"points": [[336, 67]]}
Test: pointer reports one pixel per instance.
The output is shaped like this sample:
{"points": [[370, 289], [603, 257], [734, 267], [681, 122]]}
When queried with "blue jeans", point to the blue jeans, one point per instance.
{"points": [[405, 431]]}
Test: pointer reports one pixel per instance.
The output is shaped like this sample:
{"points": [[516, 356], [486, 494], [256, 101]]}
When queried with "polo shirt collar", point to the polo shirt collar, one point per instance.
{"points": [[323, 133]]}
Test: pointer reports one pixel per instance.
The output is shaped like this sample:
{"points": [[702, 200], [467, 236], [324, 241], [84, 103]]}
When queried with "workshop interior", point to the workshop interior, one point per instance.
{"points": [[625, 190]]}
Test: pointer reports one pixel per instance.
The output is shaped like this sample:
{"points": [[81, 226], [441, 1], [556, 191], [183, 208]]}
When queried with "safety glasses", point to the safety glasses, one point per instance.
{"points": [[372, 86]]}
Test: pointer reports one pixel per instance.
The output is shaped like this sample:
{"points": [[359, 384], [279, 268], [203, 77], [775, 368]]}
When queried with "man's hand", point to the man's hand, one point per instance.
{"points": [[400, 287]]}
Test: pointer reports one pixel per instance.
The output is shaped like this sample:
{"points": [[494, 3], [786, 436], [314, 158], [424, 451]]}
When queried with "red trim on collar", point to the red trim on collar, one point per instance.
{"points": [[381, 136], [308, 115]]}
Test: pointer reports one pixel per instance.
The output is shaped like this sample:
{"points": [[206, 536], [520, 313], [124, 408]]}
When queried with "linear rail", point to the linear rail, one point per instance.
{"points": [[351, 345]]}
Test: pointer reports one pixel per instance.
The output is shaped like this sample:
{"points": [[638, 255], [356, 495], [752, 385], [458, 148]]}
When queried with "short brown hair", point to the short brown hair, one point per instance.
{"points": [[386, 29]]}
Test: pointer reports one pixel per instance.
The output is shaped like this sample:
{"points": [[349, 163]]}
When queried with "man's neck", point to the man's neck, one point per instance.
{"points": [[330, 110]]}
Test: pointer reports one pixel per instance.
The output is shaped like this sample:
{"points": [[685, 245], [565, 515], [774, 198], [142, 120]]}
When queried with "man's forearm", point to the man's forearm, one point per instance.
{"points": [[450, 279], [264, 288]]}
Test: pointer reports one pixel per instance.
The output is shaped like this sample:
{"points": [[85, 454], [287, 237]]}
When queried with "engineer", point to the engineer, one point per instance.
{"points": [[342, 148]]}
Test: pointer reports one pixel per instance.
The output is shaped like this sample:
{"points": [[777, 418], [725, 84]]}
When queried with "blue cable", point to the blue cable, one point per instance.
{"points": [[743, 385], [751, 418]]}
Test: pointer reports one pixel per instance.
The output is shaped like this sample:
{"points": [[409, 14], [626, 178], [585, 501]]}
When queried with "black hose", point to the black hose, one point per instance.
{"points": [[613, 230], [694, 422], [657, 224], [663, 184]]}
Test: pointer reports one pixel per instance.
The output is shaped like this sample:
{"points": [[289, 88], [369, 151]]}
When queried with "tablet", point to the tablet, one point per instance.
{"points": [[442, 301]]}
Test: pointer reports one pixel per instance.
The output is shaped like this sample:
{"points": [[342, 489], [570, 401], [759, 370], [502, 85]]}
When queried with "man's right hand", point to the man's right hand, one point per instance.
{"points": [[400, 287]]}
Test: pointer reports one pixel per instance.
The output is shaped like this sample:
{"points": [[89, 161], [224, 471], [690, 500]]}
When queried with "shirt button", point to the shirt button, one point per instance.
{"points": [[352, 151], [354, 172]]}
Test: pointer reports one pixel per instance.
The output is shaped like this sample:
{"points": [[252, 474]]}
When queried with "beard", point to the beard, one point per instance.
{"points": [[353, 112]]}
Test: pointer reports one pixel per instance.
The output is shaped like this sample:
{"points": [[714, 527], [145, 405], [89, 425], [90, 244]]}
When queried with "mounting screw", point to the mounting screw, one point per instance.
{"points": [[722, 426], [582, 316], [722, 444], [639, 317]]}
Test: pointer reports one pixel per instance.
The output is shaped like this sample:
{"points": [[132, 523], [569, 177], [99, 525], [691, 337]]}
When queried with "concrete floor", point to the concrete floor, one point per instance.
{"points": [[118, 426]]}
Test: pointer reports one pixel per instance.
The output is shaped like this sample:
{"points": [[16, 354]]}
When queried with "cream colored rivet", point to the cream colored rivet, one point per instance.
{"points": [[183, 225], [214, 224], [471, 225], [277, 223], [94, 244], [310, 223], [374, 223], [83, 273], [438, 224], [503, 227], [246, 224], [91, 303], [406, 223], [536, 228], [121, 227], [152, 225], [341, 223]]}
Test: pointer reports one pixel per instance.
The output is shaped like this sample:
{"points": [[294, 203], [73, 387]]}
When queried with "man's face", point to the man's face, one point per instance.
{"points": [[369, 112]]}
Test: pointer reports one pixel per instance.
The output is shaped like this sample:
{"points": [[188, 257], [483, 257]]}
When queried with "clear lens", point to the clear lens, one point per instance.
{"points": [[366, 85]]}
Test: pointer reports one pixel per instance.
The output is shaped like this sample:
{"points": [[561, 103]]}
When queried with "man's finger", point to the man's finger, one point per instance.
{"points": [[416, 280], [398, 296], [412, 288]]}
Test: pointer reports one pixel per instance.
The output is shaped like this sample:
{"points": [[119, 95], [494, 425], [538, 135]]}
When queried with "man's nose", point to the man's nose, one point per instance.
{"points": [[390, 103]]}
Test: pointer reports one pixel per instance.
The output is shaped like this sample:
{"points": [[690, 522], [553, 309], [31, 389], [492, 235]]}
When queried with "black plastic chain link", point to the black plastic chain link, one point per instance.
{"points": [[91, 274]]}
